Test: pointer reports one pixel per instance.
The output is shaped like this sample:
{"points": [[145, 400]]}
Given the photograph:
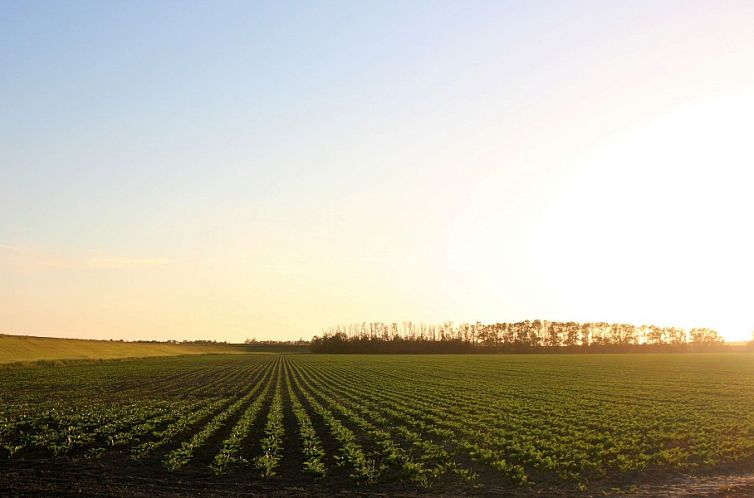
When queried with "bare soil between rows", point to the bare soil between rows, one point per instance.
{"points": [[123, 477]]}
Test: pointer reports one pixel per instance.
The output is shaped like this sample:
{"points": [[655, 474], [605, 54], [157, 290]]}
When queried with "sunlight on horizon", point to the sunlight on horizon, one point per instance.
{"points": [[663, 238]]}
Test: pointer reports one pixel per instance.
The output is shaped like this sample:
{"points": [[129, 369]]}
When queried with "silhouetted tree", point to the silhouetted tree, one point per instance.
{"points": [[525, 336]]}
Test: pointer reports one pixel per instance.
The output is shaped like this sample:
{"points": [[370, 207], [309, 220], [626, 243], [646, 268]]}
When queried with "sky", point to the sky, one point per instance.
{"points": [[227, 170]]}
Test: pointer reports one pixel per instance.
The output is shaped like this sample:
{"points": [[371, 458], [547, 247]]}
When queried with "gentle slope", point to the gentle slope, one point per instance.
{"points": [[15, 348]]}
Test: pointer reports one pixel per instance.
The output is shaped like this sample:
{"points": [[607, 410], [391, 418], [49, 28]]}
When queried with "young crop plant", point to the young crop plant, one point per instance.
{"points": [[390, 452], [181, 456], [560, 424], [147, 426], [230, 452], [183, 424], [272, 443], [422, 462], [311, 446], [365, 469]]}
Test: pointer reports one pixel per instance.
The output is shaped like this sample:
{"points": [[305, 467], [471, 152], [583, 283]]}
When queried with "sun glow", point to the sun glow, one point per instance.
{"points": [[655, 227]]}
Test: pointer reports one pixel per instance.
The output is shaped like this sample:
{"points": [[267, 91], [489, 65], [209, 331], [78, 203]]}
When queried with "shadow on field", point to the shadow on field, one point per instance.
{"points": [[127, 478]]}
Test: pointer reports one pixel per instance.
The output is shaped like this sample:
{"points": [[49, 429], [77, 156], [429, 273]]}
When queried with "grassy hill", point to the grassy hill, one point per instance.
{"points": [[17, 348]]}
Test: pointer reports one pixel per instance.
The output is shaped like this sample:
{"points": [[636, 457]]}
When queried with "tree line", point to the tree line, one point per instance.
{"points": [[526, 336]]}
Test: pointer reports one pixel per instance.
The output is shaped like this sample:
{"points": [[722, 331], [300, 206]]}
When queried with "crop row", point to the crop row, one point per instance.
{"points": [[425, 422]]}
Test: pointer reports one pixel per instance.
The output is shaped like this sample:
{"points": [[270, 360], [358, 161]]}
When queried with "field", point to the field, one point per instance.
{"points": [[14, 349], [318, 424]]}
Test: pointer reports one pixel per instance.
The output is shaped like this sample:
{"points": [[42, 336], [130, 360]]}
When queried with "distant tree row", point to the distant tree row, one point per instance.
{"points": [[272, 342], [171, 341], [526, 336]]}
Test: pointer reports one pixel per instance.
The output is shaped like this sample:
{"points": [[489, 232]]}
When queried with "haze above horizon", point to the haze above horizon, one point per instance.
{"points": [[224, 170]]}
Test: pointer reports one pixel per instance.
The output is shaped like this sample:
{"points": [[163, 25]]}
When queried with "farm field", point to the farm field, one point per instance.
{"points": [[323, 424], [15, 348]]}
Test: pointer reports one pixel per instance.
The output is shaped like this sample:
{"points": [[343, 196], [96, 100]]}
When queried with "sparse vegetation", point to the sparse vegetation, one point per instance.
{"points": [[17, 348]]}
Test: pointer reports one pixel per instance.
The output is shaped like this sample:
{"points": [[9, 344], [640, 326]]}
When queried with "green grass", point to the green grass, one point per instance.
{"points": [[31, 349]]}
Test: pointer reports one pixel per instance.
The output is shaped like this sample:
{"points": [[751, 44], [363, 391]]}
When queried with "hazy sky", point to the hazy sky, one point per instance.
{"points": [[235, 169]]}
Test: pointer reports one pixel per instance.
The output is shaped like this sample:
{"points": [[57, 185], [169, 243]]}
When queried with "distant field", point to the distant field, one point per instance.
{"points": [[431, 424], [28, 349]]}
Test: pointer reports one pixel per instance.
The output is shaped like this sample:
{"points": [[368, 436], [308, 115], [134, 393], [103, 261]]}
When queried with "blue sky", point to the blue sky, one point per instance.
{"points": [[196, 169]]}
